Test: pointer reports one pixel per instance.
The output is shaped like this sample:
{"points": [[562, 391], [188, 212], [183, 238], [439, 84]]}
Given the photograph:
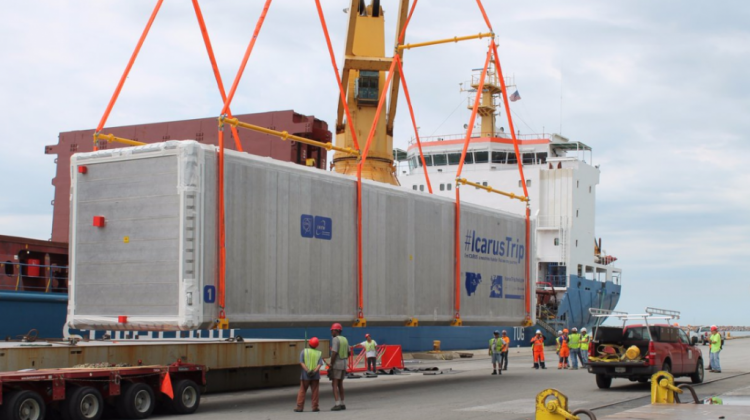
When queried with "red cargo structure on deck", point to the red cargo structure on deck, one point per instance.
{"points": [[33, 265], [204, 130]]}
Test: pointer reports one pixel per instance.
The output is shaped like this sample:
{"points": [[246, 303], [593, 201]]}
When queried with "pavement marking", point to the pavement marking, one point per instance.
{"points": [[522, 406]]}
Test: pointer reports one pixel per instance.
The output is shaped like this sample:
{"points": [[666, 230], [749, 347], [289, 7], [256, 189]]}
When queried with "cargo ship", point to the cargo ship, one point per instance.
{"points": [[574, 272], [561, 297]]}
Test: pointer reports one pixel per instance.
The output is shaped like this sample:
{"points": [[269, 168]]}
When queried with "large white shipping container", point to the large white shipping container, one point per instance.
{"points": [[291, 244]]}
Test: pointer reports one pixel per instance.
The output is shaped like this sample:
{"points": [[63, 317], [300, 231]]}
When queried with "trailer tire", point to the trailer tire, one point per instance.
{"points": [[187, 397], [83, 403], [22, 405], [603, 381], [136, 401]]}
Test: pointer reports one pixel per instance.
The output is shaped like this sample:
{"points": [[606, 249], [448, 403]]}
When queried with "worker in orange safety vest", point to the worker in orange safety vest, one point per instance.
{"points": [[537, 345], [563, 349]]}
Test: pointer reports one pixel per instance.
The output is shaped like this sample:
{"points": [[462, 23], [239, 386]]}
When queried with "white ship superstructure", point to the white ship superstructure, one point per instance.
{"points": [[561, 181]]}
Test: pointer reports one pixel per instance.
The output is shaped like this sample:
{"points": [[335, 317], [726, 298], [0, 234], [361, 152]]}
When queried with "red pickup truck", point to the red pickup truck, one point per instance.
{"points": [[662, 347]]}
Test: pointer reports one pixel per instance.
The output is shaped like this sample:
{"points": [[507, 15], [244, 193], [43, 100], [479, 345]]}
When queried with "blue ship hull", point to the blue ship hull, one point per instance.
{"points": [[46, 312]]}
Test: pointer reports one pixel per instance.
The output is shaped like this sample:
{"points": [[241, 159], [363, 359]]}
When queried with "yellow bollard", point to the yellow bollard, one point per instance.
{"points": [[663, 389]]}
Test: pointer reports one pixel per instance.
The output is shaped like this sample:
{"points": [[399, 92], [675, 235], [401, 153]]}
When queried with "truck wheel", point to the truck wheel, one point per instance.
{"points": [[603, 381], [187, 397], [22, 405], [667, 367], [697, 377], [83, 403], [136, 401]]}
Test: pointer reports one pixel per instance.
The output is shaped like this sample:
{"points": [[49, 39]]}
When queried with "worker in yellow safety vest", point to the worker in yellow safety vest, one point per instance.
{"points": [[371, 352], [716, 343], [339, 364], [311, 361], [585, 340], [574, 343], [495, 351]]}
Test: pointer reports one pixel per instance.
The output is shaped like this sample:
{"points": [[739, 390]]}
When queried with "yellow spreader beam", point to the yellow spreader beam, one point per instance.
{"points": [[445, 41], [283, 135], [111, 138], [491, 190]]}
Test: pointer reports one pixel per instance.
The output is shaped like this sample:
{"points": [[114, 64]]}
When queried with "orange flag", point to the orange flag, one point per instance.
{"points": [[166, 386]]}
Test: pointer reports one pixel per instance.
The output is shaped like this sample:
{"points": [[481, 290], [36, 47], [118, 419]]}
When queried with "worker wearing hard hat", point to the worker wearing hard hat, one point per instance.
{"points": [[495, 351], [339, 361], [564, 350], [311, 361], [716, 344], [574, 343], [537, 346], [371, 352], [585, 341], [506, 347]]}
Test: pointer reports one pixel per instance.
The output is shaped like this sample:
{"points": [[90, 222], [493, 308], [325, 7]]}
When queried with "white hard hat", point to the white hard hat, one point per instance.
{"points": [[559, 331], [538, 331], [583, 329], [575, 329]]}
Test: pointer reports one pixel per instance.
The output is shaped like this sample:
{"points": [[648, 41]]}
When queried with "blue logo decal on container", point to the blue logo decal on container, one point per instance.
{"points": [[209, 294], [496, 290], [323, 227], [306, 225], [472, 281]]}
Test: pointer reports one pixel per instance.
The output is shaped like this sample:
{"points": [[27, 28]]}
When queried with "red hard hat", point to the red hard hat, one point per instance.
{"points": [[336, 326], [314, 342]]}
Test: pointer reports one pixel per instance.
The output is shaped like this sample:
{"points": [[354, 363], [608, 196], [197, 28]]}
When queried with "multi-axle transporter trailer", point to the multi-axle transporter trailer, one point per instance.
{"points": [[83, 393]]}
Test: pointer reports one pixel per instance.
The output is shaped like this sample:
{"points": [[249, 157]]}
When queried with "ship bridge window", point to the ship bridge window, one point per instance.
{"points": [[439, 160], [541, 158], [512, 159], [412, 163], [499, 157], [427, 160], [481, 157], [454, 158], [528, 158]]}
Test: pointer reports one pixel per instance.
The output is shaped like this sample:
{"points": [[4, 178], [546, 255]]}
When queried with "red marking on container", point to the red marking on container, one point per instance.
{"points": [[99, 221], [122, 319], [82, 169]]}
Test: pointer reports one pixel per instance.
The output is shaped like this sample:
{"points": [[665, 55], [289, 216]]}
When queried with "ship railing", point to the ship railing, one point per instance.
{"points": [[462, 136], [42, 278]]}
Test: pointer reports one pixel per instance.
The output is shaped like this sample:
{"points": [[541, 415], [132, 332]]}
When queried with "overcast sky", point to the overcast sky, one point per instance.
{"points": [[660, 90]]}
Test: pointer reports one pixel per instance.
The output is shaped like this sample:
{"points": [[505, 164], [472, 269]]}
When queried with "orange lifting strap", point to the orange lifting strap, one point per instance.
{"points": [[217, 74], [414, 123], [457, 228], [116, 94], [221, 289], [349, 120]]}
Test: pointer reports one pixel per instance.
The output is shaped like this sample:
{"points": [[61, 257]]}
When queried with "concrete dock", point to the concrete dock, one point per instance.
{"points": [[466, 390]]}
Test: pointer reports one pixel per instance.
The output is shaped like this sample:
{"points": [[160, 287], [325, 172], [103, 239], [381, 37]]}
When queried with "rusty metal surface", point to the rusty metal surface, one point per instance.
{"points": [[204, 130], [682, 412], [214, 354]]}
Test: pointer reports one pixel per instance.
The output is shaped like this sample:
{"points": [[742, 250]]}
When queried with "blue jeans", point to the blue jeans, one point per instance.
{"points": [[714, 361], [574, 355], [584, 357]]}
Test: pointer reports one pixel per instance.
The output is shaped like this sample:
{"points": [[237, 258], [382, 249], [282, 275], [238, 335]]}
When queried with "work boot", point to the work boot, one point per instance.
{"points": [[494, 372], [343, 407], [536, 365], [559, 365], [337, 408], [543, 366], [297, 410]]}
